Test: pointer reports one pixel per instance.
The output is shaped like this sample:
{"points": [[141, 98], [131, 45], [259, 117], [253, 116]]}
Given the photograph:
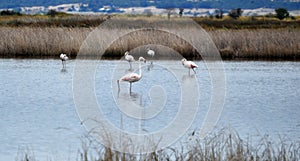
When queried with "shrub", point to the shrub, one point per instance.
{"points": [[9, 12], [52, 13], [281, 13], [235, 13]]}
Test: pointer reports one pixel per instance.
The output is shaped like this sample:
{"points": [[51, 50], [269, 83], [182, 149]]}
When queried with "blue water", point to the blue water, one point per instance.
{"points": [[38, 113]]}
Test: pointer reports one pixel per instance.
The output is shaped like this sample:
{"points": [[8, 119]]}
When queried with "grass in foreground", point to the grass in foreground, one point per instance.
{"points": [[225, 145]]}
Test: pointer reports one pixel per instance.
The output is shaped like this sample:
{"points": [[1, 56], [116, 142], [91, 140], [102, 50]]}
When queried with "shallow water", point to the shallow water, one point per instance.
{"points": [[38, 113]]}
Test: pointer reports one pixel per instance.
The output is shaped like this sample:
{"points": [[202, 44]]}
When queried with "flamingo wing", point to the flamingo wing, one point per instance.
{"points": [[189, 64], [193, 65], [151, 53], [66, 58], [61, 56], [129, 58]]}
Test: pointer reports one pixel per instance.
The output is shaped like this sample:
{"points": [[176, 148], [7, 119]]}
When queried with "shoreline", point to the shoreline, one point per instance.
{"points": [[115, 58]]}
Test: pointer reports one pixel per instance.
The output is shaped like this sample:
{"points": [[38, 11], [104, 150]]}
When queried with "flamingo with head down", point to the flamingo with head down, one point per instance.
{"points": [[63, 58]]}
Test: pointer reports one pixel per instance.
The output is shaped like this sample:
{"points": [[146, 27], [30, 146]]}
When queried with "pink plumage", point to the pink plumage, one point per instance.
{"points": [[189, 64], [132, 77]]}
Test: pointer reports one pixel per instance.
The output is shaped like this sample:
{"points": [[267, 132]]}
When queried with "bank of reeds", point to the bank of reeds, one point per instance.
{"points": [[64, 20], [225, 145], [40, 41], [232, 44], [258, 44]]}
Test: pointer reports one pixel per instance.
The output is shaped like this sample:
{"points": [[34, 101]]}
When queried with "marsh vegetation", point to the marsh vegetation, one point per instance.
{"points": [[41, 36], [224, 145]]}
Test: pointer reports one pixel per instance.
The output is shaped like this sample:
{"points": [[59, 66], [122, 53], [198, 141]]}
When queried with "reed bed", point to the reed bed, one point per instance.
{"points": [[232, 44], [225, 145], [40, 41], [258, 44], [151, 38]]}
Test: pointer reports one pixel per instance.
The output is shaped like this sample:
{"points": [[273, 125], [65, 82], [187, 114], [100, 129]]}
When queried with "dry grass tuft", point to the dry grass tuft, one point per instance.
{"points": [[224, 145]]}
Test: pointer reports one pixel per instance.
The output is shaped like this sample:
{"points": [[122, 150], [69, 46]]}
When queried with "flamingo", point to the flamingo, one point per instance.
{"points": [[150, 52], [189, 64], [63, 58], [132, 77], [129, 58]]}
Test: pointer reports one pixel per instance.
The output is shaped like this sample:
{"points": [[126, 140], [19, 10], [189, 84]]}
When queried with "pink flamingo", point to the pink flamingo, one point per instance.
{"points": [[189, 64], [132, 77], [129, 58]]}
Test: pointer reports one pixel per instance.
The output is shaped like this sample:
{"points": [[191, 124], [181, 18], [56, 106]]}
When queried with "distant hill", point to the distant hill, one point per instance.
{"points": [[94, 5]]}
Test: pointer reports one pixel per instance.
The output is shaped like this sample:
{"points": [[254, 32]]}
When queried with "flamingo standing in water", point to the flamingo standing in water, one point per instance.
{"points": [[129, 58], [189, 64], [150, 52], [63, 58], [132, 77]]}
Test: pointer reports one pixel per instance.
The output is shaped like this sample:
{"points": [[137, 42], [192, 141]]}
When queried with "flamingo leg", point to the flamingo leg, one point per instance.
{"points": [[63, 63], [130, 66], [194, 70], [118, 81], [130, 88]]}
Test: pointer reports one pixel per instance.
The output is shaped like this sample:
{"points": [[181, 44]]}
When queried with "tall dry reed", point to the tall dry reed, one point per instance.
{"points": [[43, 42], [225, 145], [259, 43], [51, 41]]}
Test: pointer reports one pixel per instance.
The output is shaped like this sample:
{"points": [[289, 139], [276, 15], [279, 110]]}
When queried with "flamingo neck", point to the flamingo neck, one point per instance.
{"points": [[140, 69]]}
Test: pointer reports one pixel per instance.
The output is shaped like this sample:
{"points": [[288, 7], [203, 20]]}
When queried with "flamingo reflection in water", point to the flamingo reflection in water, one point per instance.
{"points": [[128, 102]]}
